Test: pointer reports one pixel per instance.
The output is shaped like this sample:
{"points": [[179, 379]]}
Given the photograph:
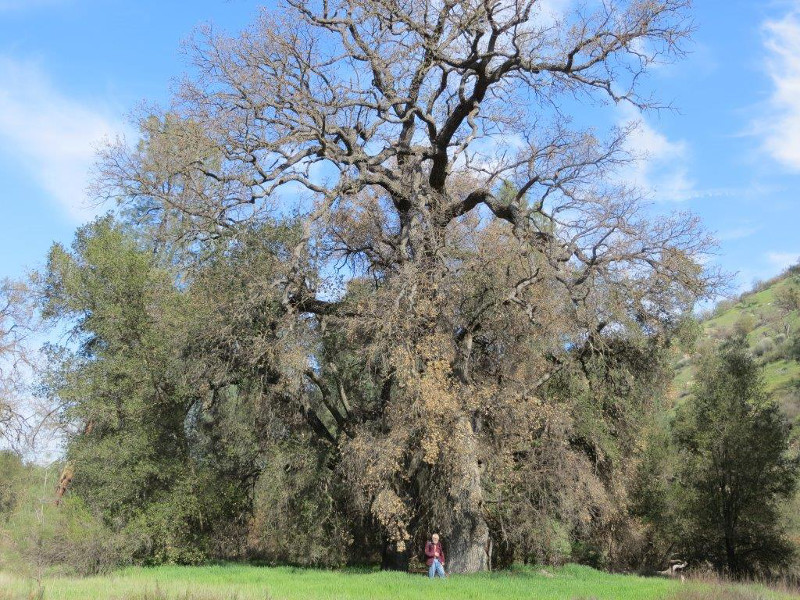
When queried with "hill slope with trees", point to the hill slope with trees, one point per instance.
{"points": [[768, 317]]}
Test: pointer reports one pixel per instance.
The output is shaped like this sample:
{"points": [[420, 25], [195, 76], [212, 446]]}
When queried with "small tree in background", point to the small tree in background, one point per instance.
{"points": [[787, 302], [735, 469]]}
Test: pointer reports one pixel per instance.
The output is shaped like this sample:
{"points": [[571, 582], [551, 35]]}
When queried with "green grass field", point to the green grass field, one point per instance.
{"points": [[243, 582]]}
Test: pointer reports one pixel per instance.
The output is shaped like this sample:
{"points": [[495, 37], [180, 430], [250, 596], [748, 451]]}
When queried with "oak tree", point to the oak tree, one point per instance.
{"points": [[464, 245]]}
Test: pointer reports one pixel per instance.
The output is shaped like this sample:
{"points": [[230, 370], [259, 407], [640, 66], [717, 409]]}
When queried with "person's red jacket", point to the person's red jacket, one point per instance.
{"points": [[430, 552]]}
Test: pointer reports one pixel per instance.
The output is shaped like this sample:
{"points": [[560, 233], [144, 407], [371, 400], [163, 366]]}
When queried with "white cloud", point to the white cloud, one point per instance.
{"points": [[781, 126], [783, 260], [52, 136], [662, 166], [738, 233]]}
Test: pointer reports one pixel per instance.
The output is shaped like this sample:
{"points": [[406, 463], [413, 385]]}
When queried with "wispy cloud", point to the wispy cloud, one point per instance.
{"points": [[780, 127], [783, 260], [662, 166], [52, 136], [738, 233]]}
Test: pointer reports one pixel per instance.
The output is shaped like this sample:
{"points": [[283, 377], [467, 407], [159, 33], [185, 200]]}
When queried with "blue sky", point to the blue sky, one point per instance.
{"points": [[72, 70]]}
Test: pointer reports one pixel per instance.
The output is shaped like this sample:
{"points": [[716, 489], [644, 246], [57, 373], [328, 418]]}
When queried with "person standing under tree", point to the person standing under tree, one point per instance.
{"points": [[435, 557]]}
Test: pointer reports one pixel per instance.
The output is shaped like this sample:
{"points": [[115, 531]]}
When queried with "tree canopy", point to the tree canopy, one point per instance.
{"points": [[736, 467], [375, 236]]}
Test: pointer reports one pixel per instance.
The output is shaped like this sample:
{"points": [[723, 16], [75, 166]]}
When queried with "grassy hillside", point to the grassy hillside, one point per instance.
{"points": [[255, 583], [772, 334]]}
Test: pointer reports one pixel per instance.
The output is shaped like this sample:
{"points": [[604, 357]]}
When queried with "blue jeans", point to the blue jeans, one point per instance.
{"points": [[436, 569]]}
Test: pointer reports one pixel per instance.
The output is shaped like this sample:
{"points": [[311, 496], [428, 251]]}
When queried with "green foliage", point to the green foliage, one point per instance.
{"points": [[11, 483], [734, 465], [793, 349], [125, 382], [744, 325], [146, 461], [177, 425], [653, 498], [187, 387], [764, 346], [40, 537], [67, 538], [771, 315], [298, 517], [568, 497]]}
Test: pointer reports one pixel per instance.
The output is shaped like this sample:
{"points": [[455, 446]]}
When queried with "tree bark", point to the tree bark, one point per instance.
{"points": [[730, 552], [468, 540]]}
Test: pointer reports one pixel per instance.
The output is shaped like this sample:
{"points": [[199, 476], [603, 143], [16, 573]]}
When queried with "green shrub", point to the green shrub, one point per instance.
{"points": [[764, 346], [296, 519], [588, 554], [793, 352], [11, 483], [744, 325], [66, 538]]}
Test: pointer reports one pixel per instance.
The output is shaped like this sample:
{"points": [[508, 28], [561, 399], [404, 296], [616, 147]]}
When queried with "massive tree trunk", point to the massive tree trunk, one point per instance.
{"points": [[467, 551], [468, 538]]}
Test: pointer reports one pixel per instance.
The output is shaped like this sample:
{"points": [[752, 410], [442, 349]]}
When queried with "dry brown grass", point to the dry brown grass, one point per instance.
{"points": [[35, 595], [721, 588], [719, 593]]}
